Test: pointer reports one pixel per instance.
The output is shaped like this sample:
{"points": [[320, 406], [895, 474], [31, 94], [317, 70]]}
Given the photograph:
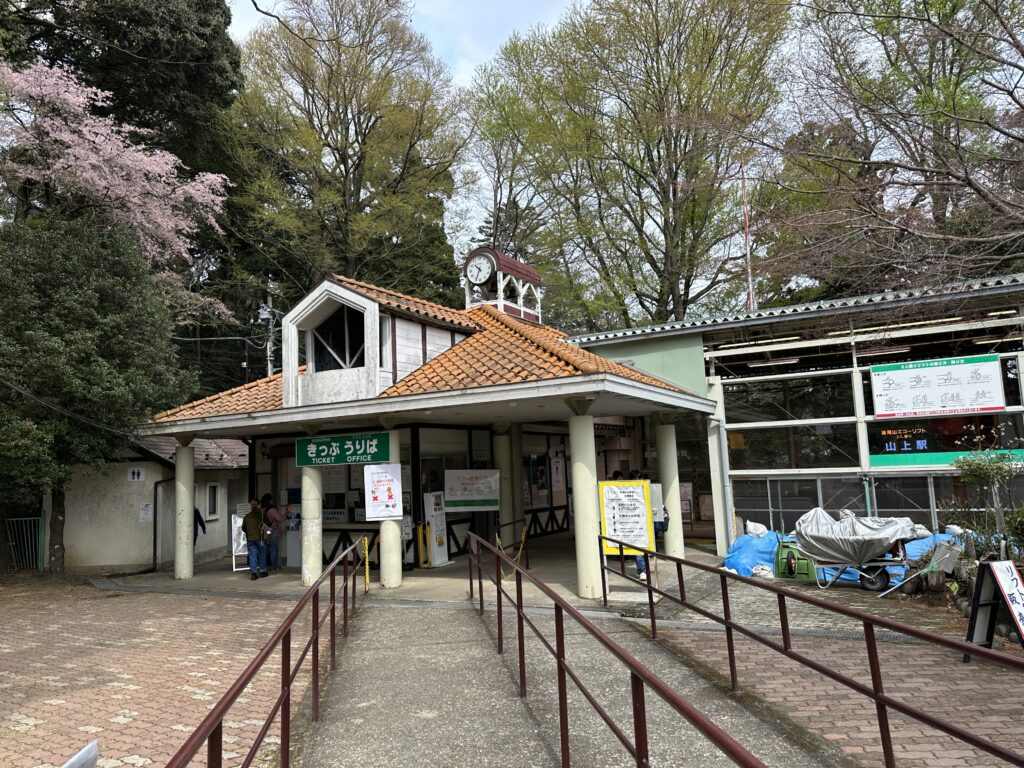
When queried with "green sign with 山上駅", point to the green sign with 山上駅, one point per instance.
{"points": [[368, 448]]}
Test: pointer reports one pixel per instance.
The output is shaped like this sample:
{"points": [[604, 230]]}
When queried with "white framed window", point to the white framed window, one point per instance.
{"points": [[213, 501]]}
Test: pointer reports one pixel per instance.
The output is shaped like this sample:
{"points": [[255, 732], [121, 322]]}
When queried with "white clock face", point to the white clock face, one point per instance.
{"points": [[479, 269]]}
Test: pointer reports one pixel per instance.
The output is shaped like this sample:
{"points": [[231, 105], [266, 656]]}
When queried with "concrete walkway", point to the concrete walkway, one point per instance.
{"points": [[423, 685]]}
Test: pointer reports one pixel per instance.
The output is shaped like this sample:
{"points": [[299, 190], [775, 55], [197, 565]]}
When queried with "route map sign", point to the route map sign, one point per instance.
{"points": [[369, 448], [626, 515], [951, 386]]}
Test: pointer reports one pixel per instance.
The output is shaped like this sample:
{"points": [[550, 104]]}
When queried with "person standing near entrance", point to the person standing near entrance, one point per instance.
{"points": [[252, 525], [197, 522], [273, 518]]}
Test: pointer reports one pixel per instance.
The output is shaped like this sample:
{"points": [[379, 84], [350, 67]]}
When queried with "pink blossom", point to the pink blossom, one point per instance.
{"points": [[48, 133]]}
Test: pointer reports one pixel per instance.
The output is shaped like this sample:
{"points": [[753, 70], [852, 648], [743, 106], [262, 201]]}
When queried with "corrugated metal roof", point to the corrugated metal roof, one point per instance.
{"points": [[998, 284]]}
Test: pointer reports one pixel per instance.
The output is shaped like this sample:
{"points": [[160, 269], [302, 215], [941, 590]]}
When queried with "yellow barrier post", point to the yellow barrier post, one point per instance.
{"points": [[366, 565]]}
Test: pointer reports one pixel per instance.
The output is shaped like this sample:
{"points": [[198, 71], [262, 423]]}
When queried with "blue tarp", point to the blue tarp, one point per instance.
{"points": [[749, 551]]}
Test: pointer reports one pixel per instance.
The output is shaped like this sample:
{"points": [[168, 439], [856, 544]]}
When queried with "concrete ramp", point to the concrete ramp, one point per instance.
{"points": [[423, 685]]}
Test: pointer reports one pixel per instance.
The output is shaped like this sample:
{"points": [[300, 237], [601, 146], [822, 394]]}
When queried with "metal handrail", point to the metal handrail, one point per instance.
{"points": [[641, 677], [211, 729], [525, 547], [875, 691]]}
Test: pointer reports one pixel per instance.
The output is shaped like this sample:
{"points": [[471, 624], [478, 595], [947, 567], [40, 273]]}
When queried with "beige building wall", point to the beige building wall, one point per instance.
{"points": [[104, 529]]}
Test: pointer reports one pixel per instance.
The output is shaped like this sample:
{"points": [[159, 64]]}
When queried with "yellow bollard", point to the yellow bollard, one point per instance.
{"points": [[366, 565]]}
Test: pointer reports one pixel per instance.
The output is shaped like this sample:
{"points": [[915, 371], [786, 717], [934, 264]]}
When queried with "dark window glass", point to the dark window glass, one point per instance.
{"points": [[750, 496], [820, 445], [338, 341], [842, 493], [1011, 381], [791, 499], [903, 497], [816, 397]]}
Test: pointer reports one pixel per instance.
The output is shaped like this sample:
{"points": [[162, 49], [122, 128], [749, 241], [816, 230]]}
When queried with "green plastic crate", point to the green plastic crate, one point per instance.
{"points": [[790, 564]]}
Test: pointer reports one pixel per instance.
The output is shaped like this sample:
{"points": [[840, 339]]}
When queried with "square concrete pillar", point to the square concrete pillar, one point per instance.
{"points": [[312, 525], [391, 531]]}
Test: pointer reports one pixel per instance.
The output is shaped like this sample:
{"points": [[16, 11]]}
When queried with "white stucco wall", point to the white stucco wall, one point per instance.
{"points": [[103, 532]]}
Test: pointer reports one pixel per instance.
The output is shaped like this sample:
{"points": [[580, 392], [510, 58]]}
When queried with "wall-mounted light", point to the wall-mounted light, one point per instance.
{"points": [[779, 361], [882, 351]]}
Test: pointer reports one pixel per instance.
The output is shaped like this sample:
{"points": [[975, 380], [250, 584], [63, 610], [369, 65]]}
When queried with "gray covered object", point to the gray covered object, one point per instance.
{"points": [[852, 539]]}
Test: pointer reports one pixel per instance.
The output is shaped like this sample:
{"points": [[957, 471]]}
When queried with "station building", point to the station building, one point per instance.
{"points": [[484, 387], [757, 416], [795, 424]]}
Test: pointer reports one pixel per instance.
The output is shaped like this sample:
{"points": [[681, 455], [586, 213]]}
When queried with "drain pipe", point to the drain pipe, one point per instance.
{"points": [[156, 520]]}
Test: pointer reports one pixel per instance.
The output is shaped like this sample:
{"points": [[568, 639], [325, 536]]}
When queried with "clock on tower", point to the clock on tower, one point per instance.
{"points": [[509, 285]]}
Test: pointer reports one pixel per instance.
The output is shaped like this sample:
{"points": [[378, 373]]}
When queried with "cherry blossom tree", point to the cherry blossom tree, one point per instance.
{"points": [[55, 150]]}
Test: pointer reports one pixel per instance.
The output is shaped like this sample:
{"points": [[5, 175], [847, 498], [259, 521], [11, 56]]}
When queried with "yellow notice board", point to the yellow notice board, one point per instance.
{"points": [[626, 515]]}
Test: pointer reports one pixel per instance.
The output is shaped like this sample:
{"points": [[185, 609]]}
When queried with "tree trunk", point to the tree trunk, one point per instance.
{"points": [[57, 533]]}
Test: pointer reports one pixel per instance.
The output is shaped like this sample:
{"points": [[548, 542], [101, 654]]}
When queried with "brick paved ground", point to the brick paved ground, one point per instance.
{"points": [[980, 696], [136, 671]]}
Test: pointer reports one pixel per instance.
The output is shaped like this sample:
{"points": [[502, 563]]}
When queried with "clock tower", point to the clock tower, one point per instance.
{"points": [[509, 285]]}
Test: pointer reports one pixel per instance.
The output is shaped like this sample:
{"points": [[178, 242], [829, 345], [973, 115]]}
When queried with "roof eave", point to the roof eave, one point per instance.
{"points": [[397, 405]]}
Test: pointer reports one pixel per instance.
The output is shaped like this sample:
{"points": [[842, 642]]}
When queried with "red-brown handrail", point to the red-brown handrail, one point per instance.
{"points": [[875, 691], [641, 678], [211, 730]]}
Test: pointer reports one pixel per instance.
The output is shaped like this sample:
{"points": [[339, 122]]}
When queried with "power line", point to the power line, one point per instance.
{"points": [[65, 411]]}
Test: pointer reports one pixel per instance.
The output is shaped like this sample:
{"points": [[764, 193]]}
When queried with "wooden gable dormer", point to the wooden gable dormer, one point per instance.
{"points": [[349, 340]]}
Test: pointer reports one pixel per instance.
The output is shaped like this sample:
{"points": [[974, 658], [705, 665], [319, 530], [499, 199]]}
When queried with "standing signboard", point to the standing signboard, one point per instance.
{"points": [[997, 583], [437, 529], [626, 515], [472, 490], [383, 491], [238, 544], [954, 385]]}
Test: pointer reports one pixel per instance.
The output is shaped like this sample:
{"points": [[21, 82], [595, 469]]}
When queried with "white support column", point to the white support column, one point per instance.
{"points": [[586, 513], [184, 504], [312, 525], [668, 471], [391, 531], [503, 463], [719, 465]]}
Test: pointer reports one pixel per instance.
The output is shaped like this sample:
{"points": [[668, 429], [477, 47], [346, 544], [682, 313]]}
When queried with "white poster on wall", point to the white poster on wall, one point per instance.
{"points": [[136, 474], [938, 387], [383, 486], [472, 490], [437, 528], [146, 512], [626, 514], [557, 474]]}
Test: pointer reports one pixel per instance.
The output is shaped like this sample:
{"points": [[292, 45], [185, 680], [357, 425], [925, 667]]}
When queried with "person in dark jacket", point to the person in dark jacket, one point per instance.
{"points": [[252, 526], [197, 523]]}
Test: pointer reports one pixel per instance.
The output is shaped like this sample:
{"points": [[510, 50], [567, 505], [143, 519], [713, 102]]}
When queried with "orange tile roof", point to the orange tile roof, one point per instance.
{"points": [[260, 395], [509, 351], [499, 349], [410, 304]]}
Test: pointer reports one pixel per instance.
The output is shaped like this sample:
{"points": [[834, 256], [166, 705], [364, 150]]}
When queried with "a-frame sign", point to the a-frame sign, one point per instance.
{"points": [[998, 583]]}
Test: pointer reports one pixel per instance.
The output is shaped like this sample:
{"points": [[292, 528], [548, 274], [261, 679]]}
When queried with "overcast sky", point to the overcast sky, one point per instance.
{"points": [[464, 33]]}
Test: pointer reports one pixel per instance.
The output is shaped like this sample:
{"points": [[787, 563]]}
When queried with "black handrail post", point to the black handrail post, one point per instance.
{"points": [[787, 641], [876, 686], [622, 561], [727, 615], [344, 597], [334, 661], [604, 571], [682, 585], [563, 701], [215, 746], [519, 628], [286, 702], [480, 575], [650, 596], [315, 639], [469, 564], [497, 584], [639, 721]]}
